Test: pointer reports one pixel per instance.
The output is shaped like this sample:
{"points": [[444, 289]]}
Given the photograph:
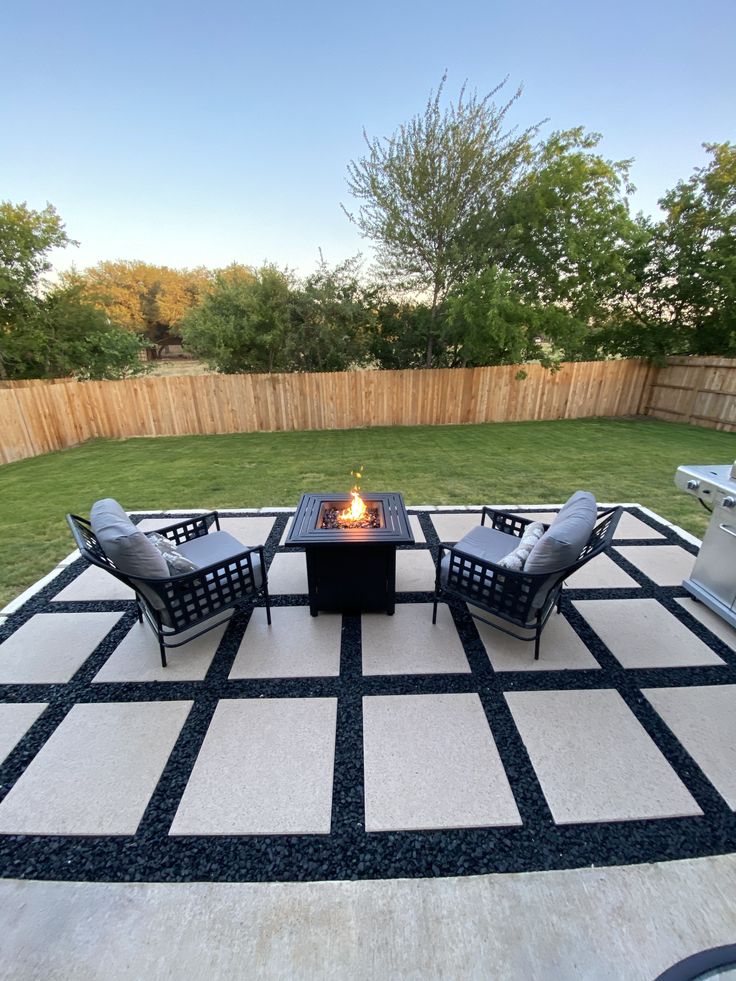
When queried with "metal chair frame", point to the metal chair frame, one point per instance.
{"points": [[192, 598], [509, 595]]}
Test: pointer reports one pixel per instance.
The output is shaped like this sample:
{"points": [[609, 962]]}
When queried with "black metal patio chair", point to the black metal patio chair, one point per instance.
{"points": [[224, 574], [470, 571]]}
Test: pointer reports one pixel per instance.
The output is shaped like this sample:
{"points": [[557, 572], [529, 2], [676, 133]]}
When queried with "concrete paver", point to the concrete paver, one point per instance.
{"points": [[296, 645], [51, 647], [137, 658], [431, 762], [601, 573], [288, 573], [409, 643], [97, 771], [704, 720], [593, 758], [16, 719], [94, 584], [641, 633], [560, 649], [415, 571], [265, 767], [249, 531], [711, 620], [667, 565]]}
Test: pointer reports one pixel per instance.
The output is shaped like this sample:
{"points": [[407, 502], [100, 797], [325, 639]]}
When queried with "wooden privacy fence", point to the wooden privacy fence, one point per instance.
{"points": [[701, 391], [36, 418]]}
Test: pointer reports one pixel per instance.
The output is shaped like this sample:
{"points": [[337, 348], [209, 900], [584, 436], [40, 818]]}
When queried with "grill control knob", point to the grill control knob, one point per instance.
{"points": [[729, 502], [693, 484]]}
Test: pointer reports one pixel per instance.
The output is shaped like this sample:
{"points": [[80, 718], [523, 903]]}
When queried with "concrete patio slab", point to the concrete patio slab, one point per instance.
{"points": [[408, 642], [265, 767], [560, 649], [288, 574], [345, 850], [137, 658], [667, 565], [717, 625], [296, 645], [51, 647], [414, 571], [93, 585], [15, 721], [641, 633], [96, 773], [704, 720], [431, 762], [594, 760], [601, 573], [530, 927]]}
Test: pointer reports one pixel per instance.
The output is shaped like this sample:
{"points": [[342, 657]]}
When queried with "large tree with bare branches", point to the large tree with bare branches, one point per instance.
{"points": [[425, 192]]}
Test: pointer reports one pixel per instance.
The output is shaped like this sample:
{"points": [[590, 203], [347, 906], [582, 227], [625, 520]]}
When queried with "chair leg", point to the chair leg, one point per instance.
{"points": [[434, 609], [163, 653], [139, 611], [268, 605], [537, 638]]}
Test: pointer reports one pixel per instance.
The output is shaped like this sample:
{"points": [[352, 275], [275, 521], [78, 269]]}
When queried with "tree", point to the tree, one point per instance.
{"points": [[243, 323], [81, 340], [684, 267], [564, 232], [699, 240], [149, 299], [333, 319], [26, 238], [426, 189]]}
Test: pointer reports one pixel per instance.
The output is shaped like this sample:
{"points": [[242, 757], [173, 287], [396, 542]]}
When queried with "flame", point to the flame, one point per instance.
{"points": [[357, 510]]}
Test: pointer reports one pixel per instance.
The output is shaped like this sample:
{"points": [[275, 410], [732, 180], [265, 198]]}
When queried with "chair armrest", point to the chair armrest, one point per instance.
{"points": [[240, 559], [511, 524], [198, 595], [189, 528]]}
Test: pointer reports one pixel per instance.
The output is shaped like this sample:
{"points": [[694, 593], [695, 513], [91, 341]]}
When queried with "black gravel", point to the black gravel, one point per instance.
{"points": [[348, 852]]}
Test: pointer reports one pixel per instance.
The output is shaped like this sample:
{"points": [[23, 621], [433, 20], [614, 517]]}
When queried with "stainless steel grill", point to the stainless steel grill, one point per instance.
{"points": [[713, 579]]}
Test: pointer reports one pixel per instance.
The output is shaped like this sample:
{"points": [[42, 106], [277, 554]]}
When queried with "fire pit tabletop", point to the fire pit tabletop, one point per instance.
{"points": [[394, 526]]}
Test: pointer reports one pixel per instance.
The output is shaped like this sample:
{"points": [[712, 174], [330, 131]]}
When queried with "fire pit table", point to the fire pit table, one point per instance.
{"points": [[351, 567]]}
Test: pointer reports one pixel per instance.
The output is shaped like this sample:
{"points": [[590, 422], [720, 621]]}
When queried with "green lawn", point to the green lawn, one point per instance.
{"points": [[528, 462]]}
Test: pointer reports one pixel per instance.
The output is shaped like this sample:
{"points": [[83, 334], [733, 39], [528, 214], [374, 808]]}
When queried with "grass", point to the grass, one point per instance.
{"points": [[528, 462]]}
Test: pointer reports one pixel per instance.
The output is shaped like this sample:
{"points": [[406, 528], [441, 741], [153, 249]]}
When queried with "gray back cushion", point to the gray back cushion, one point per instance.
{"points": [[563, 541], [127, 548]]}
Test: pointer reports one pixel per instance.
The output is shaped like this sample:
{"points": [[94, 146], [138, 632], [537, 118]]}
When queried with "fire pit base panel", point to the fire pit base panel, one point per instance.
{"points": [[357, 579], [351, 570]]}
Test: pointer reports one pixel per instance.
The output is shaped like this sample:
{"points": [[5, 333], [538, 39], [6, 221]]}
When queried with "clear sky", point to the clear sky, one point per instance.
{"points": [[202, 133]]}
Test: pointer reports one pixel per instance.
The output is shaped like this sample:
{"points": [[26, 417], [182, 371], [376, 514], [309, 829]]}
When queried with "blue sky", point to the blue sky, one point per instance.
{"points": [[193, 134]]}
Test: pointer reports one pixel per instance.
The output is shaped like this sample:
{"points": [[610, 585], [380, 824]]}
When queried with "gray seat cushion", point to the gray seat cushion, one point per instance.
{"points": [[218, 546], [125, 545], [484, 543], [560, 546]]}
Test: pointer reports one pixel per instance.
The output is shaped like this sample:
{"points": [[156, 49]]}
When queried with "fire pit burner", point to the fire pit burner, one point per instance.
{"points": [[351, 567], [330, 517]]}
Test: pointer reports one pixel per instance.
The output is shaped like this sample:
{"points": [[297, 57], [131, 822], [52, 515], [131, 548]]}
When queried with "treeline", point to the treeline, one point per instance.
{"points": [[492, 247]]}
